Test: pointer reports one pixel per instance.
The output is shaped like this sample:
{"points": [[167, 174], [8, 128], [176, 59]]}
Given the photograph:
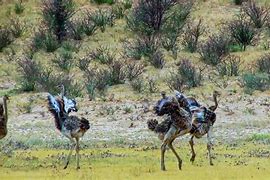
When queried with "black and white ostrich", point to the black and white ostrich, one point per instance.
{"points": [[70, 126]]}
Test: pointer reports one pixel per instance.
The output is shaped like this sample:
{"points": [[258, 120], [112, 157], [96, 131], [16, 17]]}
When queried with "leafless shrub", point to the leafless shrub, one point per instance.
{"points": [[263, 64], [191, 36], [229, 66], [5, 37], [214, 49], [117, 72], [138, 84], [17, 28], [157, 60], [152, 85], [134, 69], [258, 14]]}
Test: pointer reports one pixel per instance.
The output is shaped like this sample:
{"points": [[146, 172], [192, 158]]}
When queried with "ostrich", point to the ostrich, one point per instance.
{"points": [[3, 117], [200, 128], [178, 124], [70, 126]]}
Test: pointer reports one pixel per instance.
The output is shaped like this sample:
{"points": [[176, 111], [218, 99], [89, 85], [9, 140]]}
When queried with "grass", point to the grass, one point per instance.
{"points": [[138, 163]]}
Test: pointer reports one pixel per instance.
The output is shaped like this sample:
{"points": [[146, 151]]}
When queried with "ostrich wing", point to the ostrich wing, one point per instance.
{"points": [[53, 104]]}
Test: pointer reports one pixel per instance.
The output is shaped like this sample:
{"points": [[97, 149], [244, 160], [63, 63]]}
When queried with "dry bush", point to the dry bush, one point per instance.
{"points": [[229, 66], [257, 14], [263, 64], [191, 36], [134, 69], [214, 49]]}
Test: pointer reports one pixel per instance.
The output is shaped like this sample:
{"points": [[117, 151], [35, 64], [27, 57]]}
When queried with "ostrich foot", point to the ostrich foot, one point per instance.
{"points": [[180, 165]]}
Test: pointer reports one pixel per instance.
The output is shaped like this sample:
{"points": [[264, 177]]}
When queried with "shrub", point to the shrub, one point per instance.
{"points": [[5, 37], [173, 26], [118, 10], [263, 64], [152, 85], [97, 81], [84, 63], [64, 60], [76, 29], [127, 4], [157, 21], [134, 69], [117, 72], [72, 46], [191, 36], [186, 76], [148, 16], [143, 46], [175, 82], [257, 14], [16, 27], [102, 18], [49, 81], [241, 31], [257, 81], [56, 15], [214, 49], [229, 66], [102, 54], [43, 39], [19, 8], [88, 24], [157, 60], [29, 73], [104, 1], [189, 74], [239, 2], [50, 43], [137, 84]]}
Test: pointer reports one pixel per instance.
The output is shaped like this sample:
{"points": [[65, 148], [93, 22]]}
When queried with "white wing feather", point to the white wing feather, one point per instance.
{"points": [[53, 103]]}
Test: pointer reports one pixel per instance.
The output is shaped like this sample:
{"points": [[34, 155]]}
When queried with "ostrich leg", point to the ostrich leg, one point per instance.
{"points": [[169, 136], [175, 153], [77, 153], [193, 155], [209, 145], [73, 145], [163, 149]]}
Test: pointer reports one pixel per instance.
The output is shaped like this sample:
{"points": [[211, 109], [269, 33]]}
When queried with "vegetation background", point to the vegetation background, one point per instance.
{"points": [[115, 59]]}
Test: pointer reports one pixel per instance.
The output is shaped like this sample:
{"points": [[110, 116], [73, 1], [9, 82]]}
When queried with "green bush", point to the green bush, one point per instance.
{"points": [[56, 17], [19, 8], [102, 54], [102, 18], [104, 1], [256, 81], [242, 31], [45, 40], [64, 60]]}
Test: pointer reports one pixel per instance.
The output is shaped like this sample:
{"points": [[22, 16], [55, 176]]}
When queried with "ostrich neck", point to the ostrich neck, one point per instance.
{"points": [[215, 100], [5, 108]]}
